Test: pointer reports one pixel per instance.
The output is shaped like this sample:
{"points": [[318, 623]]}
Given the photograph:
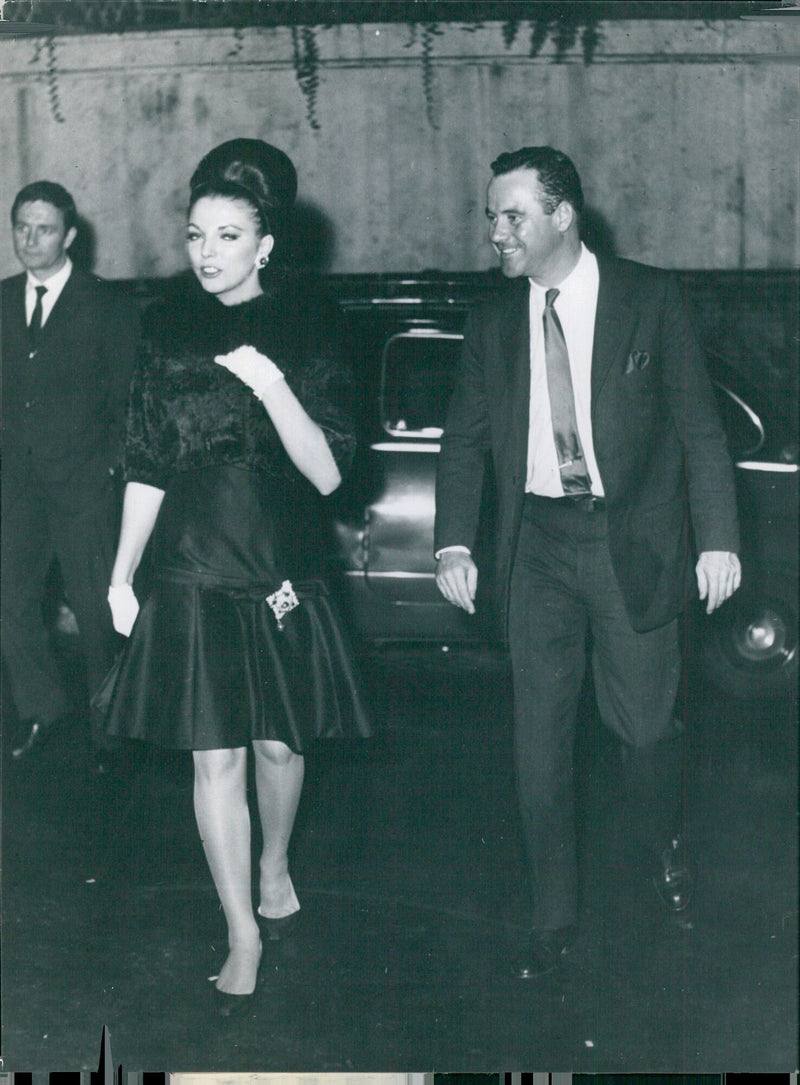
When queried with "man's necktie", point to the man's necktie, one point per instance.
{"points": [[571, 464], [35, 325]]}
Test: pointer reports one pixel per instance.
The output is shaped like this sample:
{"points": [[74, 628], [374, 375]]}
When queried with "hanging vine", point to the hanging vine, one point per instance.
{"points": [[51, 75], [429, 33], [238, 42], [563, 30], [510, 31], [562, 23], [425, 33], [590, 38], [306, 69], [564, 37], [38, 45], [540, 30]]}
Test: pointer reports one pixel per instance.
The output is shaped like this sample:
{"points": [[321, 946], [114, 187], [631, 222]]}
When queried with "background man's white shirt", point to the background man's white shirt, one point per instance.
{"points": [[55, 284]]}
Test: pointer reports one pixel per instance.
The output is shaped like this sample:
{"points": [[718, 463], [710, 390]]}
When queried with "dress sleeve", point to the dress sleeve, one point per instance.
{"points": [[324, 385], [145, 460]]}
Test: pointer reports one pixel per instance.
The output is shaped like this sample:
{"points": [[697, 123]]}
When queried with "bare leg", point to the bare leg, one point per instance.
{"points": [[220, 806], [279, 781]]}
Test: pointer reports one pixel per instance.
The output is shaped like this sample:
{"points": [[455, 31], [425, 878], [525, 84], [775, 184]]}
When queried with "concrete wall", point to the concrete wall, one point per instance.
{"points": [[685, 135]]}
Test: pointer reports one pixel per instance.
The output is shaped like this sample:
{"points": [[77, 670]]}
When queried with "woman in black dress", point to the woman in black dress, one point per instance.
{"points": [[239, 417]]}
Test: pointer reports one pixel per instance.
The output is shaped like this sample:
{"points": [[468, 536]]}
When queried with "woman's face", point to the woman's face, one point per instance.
{"points": [[226, 247]]}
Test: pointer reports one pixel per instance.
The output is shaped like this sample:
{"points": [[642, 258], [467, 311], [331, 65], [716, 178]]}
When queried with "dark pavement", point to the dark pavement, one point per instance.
{"points": [[406, 860]]}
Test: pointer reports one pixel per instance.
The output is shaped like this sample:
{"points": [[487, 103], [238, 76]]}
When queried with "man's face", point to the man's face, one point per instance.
{"points": [[40, 239], [528, 240]]}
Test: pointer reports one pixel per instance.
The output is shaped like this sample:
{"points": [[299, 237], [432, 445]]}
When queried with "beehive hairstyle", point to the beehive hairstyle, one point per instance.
{"points": [[250, 170]]}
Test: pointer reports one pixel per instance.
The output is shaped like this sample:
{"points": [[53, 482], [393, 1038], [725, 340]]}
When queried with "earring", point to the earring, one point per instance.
{"points": [[263, 261]]}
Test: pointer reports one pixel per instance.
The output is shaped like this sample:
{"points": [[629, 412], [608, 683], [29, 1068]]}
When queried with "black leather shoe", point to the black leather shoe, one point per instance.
{"points": [[544, 953], [674, 880], [278, 928], [38, 734]]}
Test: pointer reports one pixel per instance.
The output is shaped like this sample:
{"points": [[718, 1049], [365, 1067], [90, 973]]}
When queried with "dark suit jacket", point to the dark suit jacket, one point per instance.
{"points": [[659, 444], [64, 405]]}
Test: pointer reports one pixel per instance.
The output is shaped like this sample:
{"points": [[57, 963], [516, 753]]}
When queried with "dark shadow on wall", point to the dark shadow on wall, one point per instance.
{"points": [[83, 250], [311, 239], [596, 232]]}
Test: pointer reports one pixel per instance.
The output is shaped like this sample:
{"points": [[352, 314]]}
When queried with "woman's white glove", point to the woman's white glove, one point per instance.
{"points": [[124, 608], [254, 369]]}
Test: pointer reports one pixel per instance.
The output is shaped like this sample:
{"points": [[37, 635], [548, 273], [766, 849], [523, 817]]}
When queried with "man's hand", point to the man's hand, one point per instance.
{"points": [[457, 579], [719, 574]]}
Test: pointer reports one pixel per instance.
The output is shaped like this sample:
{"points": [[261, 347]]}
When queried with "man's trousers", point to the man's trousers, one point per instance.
{"points": [[36, 529], [563, 587]]}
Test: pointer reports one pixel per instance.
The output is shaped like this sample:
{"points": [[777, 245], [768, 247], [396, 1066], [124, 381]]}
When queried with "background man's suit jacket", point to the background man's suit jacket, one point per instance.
{"points": [[64, 408], [657, 437]]}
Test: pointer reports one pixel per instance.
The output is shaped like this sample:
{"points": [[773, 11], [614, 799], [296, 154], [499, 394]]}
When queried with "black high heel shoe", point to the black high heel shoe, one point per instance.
{"points": [[276, 929], [228, 1005]]}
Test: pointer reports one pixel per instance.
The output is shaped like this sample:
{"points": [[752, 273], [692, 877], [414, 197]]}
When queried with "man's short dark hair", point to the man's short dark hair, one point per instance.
{"points": [[49, 192], [557, 174]]}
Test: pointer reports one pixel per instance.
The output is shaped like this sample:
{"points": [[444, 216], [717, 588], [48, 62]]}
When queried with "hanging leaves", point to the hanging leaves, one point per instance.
{"points": [[510, 31], [558, 22], [590, 38], [540, 29], [52, 80], [564, 37], [306, 69], [238, 42], [561, 25], [429, 32]]}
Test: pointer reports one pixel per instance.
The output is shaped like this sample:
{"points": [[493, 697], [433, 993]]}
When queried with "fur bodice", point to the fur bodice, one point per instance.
{"points": [[188, 412]]}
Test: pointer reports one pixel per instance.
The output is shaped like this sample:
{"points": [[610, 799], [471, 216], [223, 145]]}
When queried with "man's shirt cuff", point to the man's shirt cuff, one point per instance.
{"points": [[452, 549]]}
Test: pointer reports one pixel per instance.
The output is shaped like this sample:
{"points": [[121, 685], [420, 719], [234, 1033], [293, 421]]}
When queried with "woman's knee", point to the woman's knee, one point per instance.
{"points": [[214, 765], [276, 754]]}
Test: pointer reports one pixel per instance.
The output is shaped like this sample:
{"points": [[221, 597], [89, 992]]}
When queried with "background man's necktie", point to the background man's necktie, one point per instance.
{"points": [[35, 325], [571, 464]]}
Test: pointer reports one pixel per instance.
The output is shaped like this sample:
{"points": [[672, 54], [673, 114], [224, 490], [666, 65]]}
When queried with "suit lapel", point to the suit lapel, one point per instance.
{"points": [[513, 329], [16, 300], [513, 337], [613, 321], [14, 324]]}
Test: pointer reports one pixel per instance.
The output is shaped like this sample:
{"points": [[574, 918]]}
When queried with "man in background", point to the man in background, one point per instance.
{"points": [[68, 347]]}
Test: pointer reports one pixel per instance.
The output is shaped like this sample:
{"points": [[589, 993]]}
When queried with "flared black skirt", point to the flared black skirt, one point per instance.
{"points": [[208, 664]]}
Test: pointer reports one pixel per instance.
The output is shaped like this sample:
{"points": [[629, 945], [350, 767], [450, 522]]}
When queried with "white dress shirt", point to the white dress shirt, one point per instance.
{"points": [[55, 284], [576, 306]]}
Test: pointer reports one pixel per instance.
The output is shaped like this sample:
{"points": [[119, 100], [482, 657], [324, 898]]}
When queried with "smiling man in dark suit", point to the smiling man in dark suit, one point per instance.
{"points": [[68, 348], [584, 380]]}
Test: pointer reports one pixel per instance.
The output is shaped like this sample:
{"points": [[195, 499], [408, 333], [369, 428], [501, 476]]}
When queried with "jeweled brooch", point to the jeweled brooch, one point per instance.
{"points": [[282, 601]]}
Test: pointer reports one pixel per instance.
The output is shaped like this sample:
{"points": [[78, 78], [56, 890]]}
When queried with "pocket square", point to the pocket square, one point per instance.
{"points": [[637, 359]]}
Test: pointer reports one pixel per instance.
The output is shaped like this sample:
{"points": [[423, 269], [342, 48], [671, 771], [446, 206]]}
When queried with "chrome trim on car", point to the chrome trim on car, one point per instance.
{"points": [[404, 446], [398, 574], [430, 332], [751, 414], [755, 465]]}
